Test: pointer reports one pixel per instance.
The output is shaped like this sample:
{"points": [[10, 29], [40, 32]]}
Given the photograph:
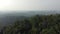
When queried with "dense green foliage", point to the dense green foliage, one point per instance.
{"points": [[46, 24]]}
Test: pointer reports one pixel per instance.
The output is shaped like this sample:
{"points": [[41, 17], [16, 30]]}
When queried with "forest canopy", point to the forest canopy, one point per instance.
{"points": [[39, 24]]}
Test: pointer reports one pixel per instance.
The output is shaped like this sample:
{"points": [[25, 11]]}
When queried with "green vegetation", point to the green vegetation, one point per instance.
{"points": [[45, 24]]}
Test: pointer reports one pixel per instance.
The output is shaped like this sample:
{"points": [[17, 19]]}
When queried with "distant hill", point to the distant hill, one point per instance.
{"points": [[9, 18]]}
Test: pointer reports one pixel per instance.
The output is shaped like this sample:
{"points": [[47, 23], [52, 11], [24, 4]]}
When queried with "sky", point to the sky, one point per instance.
{"points": [[15, 5]]}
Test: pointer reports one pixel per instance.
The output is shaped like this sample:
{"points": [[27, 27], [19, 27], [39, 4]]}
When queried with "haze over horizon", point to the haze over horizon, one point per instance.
{"points": [[17, 5]]}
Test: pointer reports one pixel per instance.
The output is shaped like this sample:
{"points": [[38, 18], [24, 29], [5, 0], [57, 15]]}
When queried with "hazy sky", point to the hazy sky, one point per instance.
{"points": [[29, 5]]}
